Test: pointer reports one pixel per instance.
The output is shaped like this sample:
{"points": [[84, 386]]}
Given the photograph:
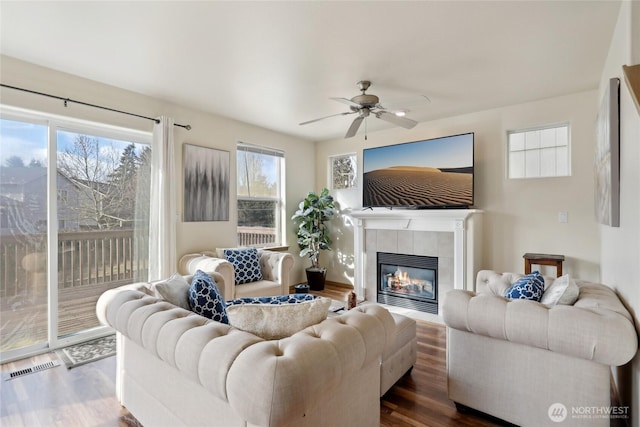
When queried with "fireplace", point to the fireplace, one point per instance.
{"points": [[408, 281]]}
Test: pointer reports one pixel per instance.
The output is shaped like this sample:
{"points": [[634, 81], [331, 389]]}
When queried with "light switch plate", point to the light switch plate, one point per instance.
{"points": [[563, 217]]}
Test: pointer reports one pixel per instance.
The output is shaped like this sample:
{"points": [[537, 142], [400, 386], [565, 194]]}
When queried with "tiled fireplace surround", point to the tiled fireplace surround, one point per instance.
{"points": [[449, 235]]}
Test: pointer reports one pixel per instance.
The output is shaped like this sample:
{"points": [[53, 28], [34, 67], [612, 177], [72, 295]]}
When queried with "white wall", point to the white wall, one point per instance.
{"points": [[208, 130], [620, 248], [519, 215]]}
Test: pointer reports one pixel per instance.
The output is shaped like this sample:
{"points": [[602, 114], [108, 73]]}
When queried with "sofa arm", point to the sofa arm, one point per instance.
{"points": [[597, 332], [208, 262], [276, 267]]}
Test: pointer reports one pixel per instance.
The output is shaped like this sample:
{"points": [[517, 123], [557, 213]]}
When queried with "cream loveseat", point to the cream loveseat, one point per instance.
{"points": [[175, 367], [527, 363], [276, 270]]}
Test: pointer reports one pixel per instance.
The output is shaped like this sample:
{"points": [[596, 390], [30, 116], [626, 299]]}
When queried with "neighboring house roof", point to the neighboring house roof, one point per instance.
{"points": [[25, 175]]}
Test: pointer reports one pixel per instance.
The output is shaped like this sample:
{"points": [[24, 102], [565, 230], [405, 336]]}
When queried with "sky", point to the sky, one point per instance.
{"points": [[29, 142], [448, 152], [25, 140]]}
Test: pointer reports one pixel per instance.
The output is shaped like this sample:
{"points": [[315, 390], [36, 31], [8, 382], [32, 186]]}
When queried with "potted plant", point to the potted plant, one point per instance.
{"points": [[313, 234]]}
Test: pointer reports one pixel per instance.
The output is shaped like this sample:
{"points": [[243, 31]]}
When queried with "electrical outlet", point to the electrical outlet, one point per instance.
{"points": [[563, 217]]}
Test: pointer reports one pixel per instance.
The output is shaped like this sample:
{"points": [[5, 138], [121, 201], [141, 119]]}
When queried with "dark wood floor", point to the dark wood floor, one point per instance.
{"points": [[85, 396]]}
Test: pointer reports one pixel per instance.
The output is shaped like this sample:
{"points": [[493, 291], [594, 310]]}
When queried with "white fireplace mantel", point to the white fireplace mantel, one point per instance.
{"points": [[456, 221]]}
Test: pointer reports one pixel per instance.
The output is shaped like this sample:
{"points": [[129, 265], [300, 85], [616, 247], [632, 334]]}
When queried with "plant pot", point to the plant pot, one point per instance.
{"points": [[316, 278], [302, 288]]}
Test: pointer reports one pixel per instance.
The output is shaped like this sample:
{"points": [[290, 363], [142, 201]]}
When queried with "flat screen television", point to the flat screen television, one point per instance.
{"points": [[432, 173]]}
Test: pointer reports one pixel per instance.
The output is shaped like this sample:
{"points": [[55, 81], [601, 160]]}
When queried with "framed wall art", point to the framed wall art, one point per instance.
{"points": [[206, 184], [607, 158]]}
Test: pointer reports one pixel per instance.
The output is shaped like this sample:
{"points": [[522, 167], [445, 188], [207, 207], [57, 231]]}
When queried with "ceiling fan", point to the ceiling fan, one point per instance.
{"points": [[366, 104]]}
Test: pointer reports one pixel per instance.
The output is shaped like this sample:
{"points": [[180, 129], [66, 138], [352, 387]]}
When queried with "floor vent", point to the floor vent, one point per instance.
{"points": [[31, 370]]}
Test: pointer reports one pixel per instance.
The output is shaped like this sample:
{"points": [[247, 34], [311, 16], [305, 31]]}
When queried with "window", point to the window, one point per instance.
{"points": [[539, 152], [343, 171], [94, 230], [260, 173]]}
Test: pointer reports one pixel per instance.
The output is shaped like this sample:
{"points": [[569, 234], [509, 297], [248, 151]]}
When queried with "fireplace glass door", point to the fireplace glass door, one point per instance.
{"points": [[409, 281]]}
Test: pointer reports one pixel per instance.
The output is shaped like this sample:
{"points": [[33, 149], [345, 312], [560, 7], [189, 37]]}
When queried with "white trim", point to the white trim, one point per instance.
{"points": [[52, 238], [444, 220]]}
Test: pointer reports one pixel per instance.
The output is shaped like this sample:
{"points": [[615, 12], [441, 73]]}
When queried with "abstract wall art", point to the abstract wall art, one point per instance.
{"points": [[607, 157], [206, 184]]}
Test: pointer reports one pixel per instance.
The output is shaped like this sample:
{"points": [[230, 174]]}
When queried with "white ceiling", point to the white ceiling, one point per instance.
{"points": [[275, 64]]}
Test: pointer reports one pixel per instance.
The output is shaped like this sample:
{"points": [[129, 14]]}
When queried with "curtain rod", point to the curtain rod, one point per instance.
{"points": [[67, 100]]}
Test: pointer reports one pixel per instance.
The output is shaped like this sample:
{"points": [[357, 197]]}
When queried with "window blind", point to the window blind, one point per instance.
{"points": [[242, 146]]}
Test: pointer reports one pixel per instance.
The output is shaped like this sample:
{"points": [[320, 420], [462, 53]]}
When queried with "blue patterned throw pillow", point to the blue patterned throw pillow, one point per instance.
{"points": [[205, 298], [274, 300], [246, 264], [529, 287]]}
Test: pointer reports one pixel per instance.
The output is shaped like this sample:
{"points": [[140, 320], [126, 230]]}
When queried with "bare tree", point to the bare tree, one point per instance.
{"points": [[88, 164]]}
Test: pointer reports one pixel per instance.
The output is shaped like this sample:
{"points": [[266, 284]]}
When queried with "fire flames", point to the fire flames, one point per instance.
{"points": [[401, 282]]}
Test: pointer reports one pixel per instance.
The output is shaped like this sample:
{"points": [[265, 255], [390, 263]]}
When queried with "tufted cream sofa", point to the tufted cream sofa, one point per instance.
{"points": [[514, 359], [276, 271], [176, 368]]}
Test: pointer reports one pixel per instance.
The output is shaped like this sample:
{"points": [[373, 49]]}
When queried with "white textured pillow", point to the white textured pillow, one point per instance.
{"points": [[174, 290], [276, 321], [563, 291]]}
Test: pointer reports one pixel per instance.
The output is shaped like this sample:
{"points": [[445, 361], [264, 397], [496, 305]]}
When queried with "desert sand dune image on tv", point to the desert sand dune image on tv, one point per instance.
{"points": [[421, 174]]}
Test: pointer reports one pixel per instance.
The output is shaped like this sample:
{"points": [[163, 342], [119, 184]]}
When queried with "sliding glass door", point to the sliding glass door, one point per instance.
{"points": [[102, 217], [74, 216], [23, 235]]}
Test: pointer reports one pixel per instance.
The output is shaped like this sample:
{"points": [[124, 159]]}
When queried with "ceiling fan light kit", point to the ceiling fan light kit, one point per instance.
{"points": [[366, 104]]}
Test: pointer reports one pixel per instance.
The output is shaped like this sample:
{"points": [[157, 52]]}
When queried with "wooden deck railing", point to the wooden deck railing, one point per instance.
{"points": [[88, 257], [84, 258], [256, 236], [89, 263]]}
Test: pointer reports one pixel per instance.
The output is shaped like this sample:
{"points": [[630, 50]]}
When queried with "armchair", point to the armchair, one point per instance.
{"points": [[276, 272], [516, 359]]}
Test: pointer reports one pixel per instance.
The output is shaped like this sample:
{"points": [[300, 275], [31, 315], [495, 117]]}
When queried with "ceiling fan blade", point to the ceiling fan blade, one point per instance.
{"points": [[326, 117], [353, 129], [396, 120], [348, 102]]}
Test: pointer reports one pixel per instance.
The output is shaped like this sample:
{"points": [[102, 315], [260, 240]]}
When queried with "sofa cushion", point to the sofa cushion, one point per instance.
{"points": [[246, 264], [174, 290], [277, 317], [563, 291], [528, 287], [205, 298]]}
